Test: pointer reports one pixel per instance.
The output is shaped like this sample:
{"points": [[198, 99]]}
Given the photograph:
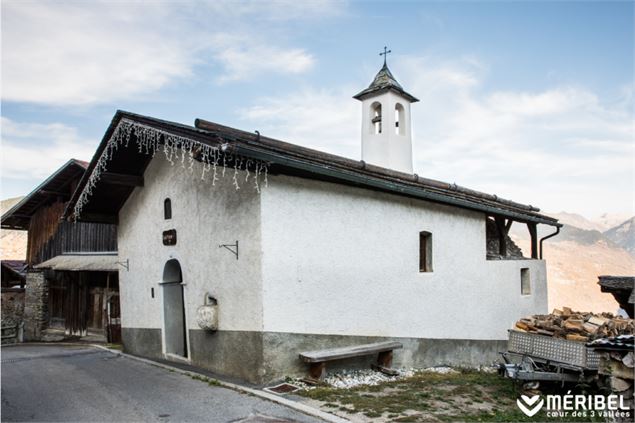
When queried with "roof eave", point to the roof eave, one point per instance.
{"points": [[385, 185], [8, 214], [328, 167], [362, 95]]}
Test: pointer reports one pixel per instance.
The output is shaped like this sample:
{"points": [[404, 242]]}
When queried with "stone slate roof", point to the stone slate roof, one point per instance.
{"points": [[293, 160], [16, 267], [60, 183], [384, 81]]}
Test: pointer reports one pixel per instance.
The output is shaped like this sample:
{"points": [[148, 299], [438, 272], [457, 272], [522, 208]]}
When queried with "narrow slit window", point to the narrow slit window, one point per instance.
{"points": [[376, 118], [167, 209], [425, 251], [399, 120], [525, 281]]}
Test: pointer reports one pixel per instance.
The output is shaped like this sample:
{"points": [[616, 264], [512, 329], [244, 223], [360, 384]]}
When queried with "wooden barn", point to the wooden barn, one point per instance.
{"points": [[13, 273], [71, 279]]}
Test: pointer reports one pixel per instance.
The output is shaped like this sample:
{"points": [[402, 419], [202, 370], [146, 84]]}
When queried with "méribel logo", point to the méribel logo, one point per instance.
{"points": [[530, 406]]}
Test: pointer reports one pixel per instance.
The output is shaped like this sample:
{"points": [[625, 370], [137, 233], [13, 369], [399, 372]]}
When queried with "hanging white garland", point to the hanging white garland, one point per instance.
{"points": [[176, 149]]}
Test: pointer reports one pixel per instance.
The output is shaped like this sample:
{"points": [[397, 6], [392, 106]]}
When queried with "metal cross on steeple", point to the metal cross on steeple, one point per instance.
{"points": [[385, 53]]}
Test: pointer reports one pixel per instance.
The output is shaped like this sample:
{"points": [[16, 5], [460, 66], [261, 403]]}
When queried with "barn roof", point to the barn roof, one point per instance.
{"points": [[108, 195], [61, 183], [93, 262], [15, 267]]}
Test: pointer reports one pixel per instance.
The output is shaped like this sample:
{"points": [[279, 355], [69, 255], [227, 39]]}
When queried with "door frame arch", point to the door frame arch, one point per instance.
{"points": [[172, 283]]}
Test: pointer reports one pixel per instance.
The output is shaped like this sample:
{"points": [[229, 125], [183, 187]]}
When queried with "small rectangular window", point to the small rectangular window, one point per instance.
{"points": [[167, 209], [525, 281], [425, 251]]}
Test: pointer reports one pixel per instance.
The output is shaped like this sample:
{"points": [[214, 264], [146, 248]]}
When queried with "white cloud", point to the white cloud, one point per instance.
{"points": [[550, 102], [33, 151], [561, 148], [74, 53], [328, 120], [246, 62]]}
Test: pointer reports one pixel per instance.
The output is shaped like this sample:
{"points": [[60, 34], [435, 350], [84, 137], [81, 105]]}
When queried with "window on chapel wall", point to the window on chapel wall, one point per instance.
{"points": [[425, 251], [525, 281], [167, 209], [400, 125], [375, 113]]}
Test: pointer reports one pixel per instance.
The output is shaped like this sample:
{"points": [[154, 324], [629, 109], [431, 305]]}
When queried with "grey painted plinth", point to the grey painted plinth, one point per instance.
{"points": [[263, 357], [142, 341]]}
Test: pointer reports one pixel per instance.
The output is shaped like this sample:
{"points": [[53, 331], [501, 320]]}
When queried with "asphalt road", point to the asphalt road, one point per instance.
{"points": [[78, 383]]}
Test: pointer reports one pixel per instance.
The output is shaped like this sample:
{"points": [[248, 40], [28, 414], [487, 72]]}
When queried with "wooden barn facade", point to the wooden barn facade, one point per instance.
{"points": [[72, 271]]}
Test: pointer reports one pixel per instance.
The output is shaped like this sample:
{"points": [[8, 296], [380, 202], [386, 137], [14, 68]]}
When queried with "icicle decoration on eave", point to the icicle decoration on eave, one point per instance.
{"points": [[177, 149]]}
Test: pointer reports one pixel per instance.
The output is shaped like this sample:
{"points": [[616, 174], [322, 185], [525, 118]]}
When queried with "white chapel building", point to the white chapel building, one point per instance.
{"points": [[301, 250]]}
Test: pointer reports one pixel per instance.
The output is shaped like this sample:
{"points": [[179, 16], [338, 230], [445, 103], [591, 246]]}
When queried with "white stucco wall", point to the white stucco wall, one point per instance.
{"points": [[317, 258], [204, 216], [342, 260]]}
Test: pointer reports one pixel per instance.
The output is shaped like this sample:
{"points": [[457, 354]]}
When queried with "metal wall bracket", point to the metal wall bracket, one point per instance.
{"points": [[231, 247], [125, 264]]}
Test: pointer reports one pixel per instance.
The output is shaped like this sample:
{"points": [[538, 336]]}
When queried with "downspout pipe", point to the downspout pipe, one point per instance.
{"points": [[547, 237]]}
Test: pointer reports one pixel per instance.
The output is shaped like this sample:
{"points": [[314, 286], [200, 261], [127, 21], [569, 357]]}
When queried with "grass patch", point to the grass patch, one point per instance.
{"points": [[115, 347], [209, 381], [465, 396]]}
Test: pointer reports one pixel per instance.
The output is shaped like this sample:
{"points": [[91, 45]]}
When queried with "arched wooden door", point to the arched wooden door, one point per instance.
{"points": [[174, 309]]}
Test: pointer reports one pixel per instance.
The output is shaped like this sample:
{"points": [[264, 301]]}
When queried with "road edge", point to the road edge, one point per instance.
{"points": [[303, 408]]}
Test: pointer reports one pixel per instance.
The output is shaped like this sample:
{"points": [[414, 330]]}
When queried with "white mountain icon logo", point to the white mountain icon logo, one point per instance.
{"points": [[530, 406]]}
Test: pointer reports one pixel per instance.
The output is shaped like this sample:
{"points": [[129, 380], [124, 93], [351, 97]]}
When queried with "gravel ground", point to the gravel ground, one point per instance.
{"points": [[347, 379]]}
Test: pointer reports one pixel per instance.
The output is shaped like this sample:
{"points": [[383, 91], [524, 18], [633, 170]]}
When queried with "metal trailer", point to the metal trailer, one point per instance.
{"points": [[533, 357]]}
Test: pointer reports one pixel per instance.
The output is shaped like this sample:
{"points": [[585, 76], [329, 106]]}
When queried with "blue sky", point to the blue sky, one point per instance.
{"points": [[532, 101]]}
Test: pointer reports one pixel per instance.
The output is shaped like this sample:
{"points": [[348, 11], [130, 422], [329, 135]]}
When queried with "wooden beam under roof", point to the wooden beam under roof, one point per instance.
{"points": [[54, 193], [122, 179], [99, 218], [533, 233]]}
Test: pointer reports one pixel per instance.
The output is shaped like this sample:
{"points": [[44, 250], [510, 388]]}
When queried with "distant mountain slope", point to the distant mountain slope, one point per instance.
{"points": [[579, 221], [576, 257], [12, 243], [573, 269], [582, 236], [8, 203], [610, 220], [623, 235]]}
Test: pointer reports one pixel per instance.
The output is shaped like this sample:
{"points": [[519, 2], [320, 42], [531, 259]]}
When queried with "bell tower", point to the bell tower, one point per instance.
{"points": [[386, 128]]}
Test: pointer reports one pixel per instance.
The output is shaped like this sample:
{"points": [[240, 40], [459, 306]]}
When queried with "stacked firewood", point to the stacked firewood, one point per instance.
{"points": [[576, 326], [617, 369]]}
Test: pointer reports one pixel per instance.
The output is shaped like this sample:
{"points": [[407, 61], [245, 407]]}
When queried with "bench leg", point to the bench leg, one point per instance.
{"points": [[317, 371], [384, 359]]}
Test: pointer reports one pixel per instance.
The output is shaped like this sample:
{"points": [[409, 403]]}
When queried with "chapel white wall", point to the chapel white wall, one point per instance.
{"points": [[204, 216], [344, 260]]}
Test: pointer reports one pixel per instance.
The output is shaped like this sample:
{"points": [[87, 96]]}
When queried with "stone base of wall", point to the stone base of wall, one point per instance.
{"points": [[142, 342], [35, 305], [12, 315], [261, 358], [281, 352], [236, 354]]}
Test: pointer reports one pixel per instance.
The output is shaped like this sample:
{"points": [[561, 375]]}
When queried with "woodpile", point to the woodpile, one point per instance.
{"points": [[617, 369], [576, 326]]}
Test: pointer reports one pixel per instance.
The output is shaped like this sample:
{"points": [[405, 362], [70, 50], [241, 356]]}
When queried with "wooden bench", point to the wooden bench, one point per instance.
{"points": [[317, 359]]}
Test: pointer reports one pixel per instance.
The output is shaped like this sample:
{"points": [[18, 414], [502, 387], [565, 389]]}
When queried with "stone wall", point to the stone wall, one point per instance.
{"points": [[513, 251], [35, 305], [12, 304], [12, 314]]}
